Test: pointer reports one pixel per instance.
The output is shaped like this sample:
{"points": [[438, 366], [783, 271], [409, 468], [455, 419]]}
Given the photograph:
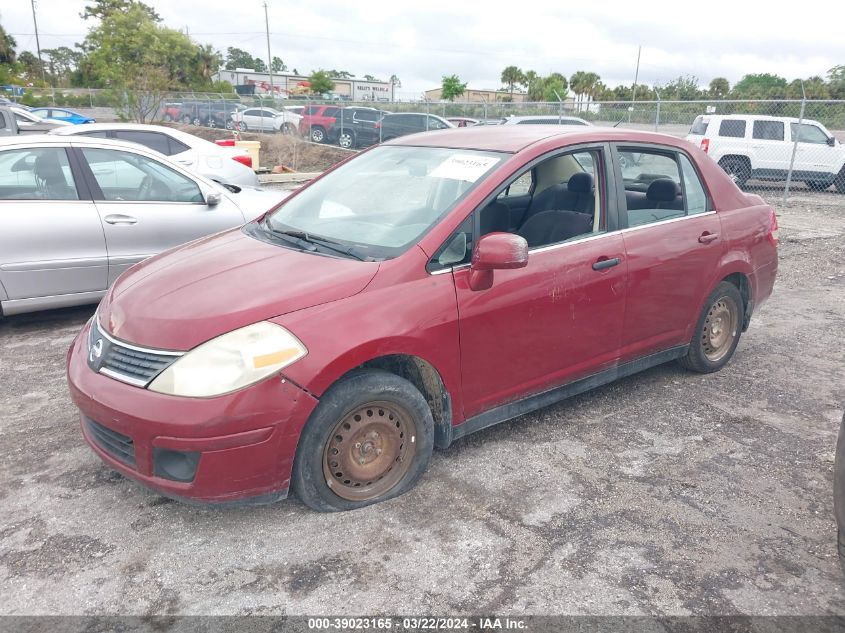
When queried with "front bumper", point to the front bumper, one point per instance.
{"points": [[241, 445]]}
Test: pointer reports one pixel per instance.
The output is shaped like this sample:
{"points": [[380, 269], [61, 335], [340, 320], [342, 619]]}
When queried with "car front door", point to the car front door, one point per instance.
{"points": [[557, 319], [51, 239], [147, 207], [673, 241], [814, 155]]}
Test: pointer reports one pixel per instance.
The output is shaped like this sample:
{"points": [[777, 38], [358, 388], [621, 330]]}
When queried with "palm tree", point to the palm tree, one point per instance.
{"points": [[584, 84], [512, 76], [7, 47]]}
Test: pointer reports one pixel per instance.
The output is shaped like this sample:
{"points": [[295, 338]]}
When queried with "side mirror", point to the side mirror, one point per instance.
{"points": [[832, 141], [496, 251], [213, 198]]}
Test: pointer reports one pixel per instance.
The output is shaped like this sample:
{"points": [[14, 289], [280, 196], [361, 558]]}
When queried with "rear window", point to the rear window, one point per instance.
{"points": [[734, 128], [768, 130], [331, 112], [699, 126]]}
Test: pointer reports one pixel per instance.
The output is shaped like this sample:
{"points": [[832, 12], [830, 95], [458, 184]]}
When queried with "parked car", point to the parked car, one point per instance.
{"points": [[459, 121], [839, 493], [760, 147], [79, 211], [316, 121], [61, 114], [224, 164], [396, 125], [171, 112], [266, 120], [545, 120], [424, 290], [28, 123], [356, 127]]}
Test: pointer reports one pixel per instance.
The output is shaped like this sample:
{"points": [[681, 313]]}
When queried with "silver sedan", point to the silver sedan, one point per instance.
{"points": [[78, 211]]}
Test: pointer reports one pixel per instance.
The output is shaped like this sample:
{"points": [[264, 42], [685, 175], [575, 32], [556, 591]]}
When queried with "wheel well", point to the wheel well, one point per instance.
{"points": [[738, 157], [424, 377], [744, 286]]}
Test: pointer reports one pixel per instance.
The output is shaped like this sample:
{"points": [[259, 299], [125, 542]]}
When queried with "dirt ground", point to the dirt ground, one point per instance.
{"points": [[667, 493]]}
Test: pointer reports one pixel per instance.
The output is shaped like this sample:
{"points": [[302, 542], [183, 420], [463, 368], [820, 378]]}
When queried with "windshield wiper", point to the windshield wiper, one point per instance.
{"points": [[307, 241]]}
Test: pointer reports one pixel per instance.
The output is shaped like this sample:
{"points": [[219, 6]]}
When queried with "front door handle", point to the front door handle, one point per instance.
{"points": [[707, 237], [119, 218], [605, 263]]}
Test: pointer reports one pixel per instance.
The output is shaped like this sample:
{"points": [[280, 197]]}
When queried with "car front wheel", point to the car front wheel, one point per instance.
{"points": [[346, 140], [369, 439], [243, 127], [818, 185], [839, 181], [717, 331], [318, 135]]}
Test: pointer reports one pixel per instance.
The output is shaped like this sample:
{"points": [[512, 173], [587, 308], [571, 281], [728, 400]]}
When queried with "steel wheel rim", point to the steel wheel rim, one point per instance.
{"points": [[317, 136], [345, 141], [369, 451], [720, 329]]}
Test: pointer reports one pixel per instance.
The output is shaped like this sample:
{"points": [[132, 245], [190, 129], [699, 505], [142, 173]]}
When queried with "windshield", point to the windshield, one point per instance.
{"points": [[383, 201]]}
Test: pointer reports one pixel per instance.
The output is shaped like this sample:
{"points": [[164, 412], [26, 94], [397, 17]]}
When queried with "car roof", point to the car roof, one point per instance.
{"points": [[79, 130], [56, 139], [514, 138], [532, 117], [757, 117]]}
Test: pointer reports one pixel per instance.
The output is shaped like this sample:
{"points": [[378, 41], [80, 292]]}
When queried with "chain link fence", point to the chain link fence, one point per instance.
{"points": [[771, 146]]}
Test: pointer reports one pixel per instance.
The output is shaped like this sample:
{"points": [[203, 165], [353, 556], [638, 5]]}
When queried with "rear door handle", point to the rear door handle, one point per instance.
{"points": [[119, 218], [706, 238], [605, 263]]}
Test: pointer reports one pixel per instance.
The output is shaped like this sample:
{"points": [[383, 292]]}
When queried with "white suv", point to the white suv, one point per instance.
{"points": [[760, 147]]}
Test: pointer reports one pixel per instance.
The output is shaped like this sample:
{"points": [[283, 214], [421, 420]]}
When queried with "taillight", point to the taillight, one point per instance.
{"points": [[773, 230], [225, 142], [243, 159], [705, 145]]}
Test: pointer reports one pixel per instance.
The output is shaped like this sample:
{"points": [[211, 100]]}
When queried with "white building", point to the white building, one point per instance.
{"points": [[286, 85]]}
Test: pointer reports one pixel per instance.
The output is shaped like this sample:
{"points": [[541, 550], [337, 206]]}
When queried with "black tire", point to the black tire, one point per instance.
{"points": [[317, 135], [186, 119], [167, 118], [738, 168], [288, 128], [702, 357], [346, 398], [346, 139], [839, 181], [818, 185], [243, 127]]}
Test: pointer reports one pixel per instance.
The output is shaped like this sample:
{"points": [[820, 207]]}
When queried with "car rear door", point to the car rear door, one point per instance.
{"points": [[147, 207], [769, 147], [51, 238], [672, 242]]}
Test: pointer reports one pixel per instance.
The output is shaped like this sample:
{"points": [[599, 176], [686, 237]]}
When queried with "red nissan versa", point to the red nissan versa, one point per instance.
{"points": [[425, 289]]}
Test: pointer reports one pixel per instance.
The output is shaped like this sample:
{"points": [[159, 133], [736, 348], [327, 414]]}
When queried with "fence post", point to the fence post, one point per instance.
{"points": [[657, 116], [794, 145]]}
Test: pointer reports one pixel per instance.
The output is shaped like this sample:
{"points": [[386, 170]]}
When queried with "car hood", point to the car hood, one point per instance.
{"points": [[253, 201], [216, 284]]}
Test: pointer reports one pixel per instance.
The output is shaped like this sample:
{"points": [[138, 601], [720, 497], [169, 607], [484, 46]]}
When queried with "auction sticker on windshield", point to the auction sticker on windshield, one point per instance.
{"points": [[464, 167]]}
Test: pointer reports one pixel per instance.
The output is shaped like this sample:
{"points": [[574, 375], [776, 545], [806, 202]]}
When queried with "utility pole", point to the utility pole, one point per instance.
{"points": [[37, 41], [269, 59]]}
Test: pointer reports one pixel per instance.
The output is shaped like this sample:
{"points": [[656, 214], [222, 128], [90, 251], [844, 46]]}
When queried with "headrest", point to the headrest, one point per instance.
{"points": [[582, 182], [662, 190]]}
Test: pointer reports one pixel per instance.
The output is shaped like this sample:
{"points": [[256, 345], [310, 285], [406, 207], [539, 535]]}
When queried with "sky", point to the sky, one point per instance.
{"points": [[422, 41]]}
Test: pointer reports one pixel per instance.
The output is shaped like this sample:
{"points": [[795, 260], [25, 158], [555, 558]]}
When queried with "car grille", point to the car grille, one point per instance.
{"points": [[122, 361], [116, 444]]}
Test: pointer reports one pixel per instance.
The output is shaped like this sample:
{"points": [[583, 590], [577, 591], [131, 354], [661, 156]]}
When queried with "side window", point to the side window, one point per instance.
{"points": [[519, 187], [97, 134], [435, 124], [696, 198], [734, 128], [153, 140], [768, 130], [252, 113], [41, 173], [808, 133], [176, 147], [2, 121], [123, 176], [652, 183]]}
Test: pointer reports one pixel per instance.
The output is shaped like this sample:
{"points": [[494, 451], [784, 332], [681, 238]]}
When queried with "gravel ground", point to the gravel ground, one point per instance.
{"points": [[665, 493]]}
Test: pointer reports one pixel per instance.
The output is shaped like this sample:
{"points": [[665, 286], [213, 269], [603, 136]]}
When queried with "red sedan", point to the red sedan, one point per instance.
{"points": [[423, 290]]}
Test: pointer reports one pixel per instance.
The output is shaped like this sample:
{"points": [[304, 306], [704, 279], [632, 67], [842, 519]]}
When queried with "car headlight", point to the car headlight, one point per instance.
{"points": [[230, 362]]}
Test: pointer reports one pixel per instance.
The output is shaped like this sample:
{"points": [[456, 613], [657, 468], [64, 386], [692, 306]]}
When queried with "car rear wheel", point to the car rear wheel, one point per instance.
{"points": [[717, 331], [288, 128], [167, 118], [346, 140], [318, 135], [839, 181], [369, 439], [212, 123], [737, 168], [186, 120]]}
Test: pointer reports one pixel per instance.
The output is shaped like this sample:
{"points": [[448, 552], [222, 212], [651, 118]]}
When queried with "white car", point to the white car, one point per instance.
{"points": [[79, 211], [266, 120], [761, 147], [223, 164]]}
